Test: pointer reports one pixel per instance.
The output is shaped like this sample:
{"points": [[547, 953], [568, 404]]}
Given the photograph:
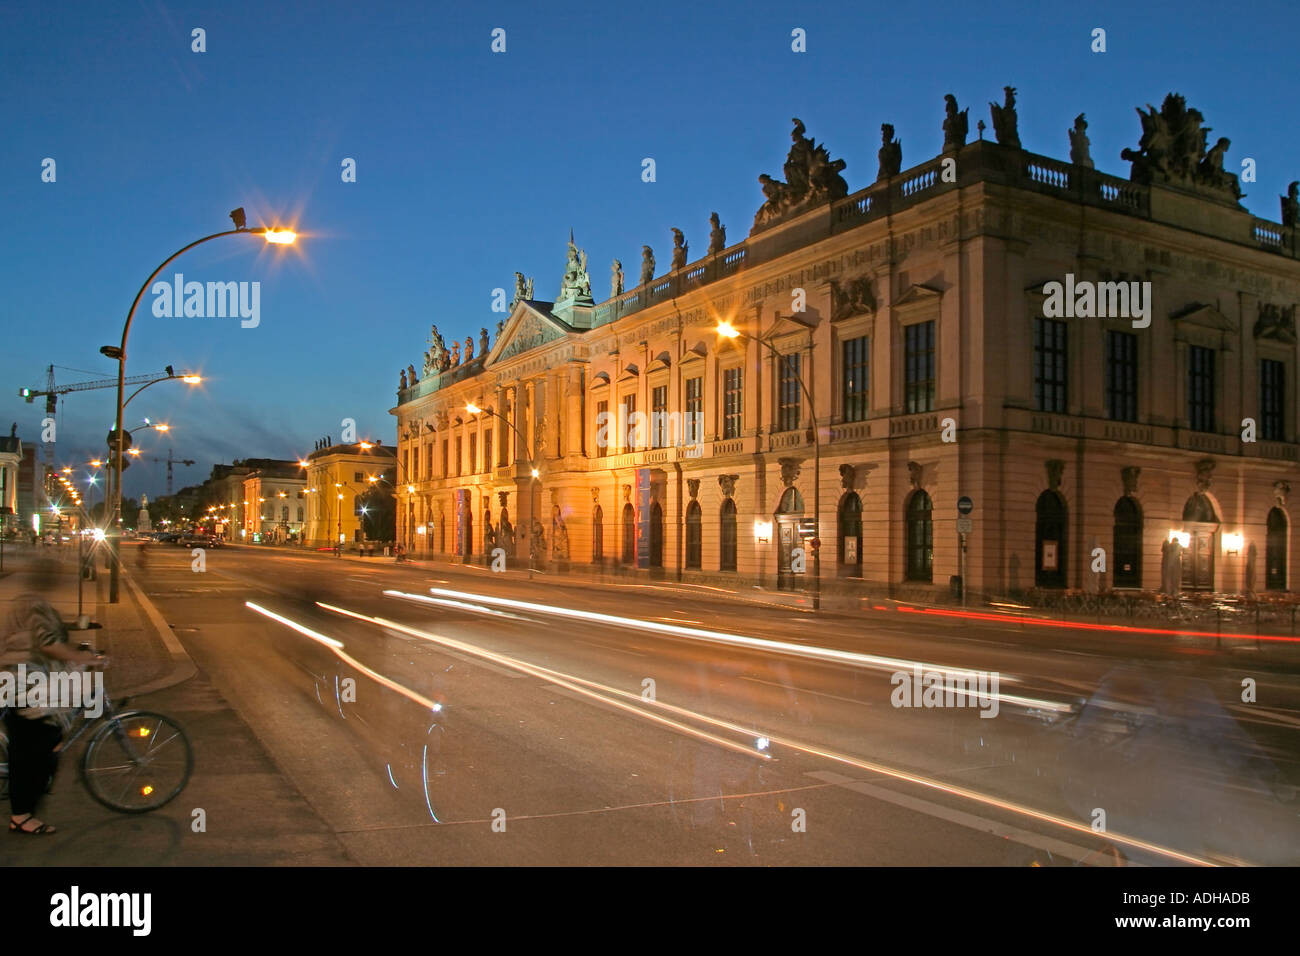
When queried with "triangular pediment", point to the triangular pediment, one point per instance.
{"points": [[530, 325], [1206, 316], [915, 295]]}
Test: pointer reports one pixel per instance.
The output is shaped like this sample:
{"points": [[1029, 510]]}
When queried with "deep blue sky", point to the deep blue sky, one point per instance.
{"points": [[472, 165]]}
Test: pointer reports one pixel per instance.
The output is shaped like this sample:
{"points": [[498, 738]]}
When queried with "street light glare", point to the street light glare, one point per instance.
{"points": [[473, 409], [191, 379], [536, 473], [162, 428], [727, 330], [283, 237]]}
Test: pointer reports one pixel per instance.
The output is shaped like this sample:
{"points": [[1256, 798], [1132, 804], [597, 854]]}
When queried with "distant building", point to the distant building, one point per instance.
{"points": [[276, 503], [338, 482], [11, 460]]}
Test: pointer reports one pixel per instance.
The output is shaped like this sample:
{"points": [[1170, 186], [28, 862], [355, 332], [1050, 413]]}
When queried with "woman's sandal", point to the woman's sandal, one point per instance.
{"points": [[17, 827]]}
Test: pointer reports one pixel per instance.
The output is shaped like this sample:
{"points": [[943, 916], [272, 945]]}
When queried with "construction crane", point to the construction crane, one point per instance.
{"points": [[52, 391], [170, 461]]}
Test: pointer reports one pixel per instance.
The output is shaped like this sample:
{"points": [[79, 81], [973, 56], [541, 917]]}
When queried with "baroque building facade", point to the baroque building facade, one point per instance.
{"points": [[900, 348]]}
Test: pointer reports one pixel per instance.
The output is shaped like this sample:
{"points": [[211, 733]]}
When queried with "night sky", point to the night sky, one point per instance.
{"points": [[472, 165]]}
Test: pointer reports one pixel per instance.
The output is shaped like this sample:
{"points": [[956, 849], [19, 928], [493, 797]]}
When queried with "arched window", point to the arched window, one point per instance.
{"points": [[850, 550], [694, 536], [598, 534], [1275, 551], [727, 536], [791, 503], [629, 534], [300, 514], [656, 535], [920, 538], [1200, 508], [1050, 540], [1128, 544]]}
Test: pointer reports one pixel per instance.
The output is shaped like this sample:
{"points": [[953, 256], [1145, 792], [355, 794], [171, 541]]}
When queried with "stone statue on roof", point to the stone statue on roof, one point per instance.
{"points": [[1005, 121], [956, 125], [647, 265], [717, 234], [576, 283], [890, 154], [679, 250], [616, 280], [1080, 153]]}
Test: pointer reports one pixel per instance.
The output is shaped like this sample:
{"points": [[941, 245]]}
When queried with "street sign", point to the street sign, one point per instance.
{"points": [[964, 505], [112, 439], [965, 525], [807, 526]]}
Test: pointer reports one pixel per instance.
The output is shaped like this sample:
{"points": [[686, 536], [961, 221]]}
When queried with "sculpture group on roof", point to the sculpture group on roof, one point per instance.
{"points": [[1173, 150], [811, 178]]}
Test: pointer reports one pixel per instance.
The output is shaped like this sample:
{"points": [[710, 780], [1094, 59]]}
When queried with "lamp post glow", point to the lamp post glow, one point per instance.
{"points": [[118, 352], [729, 331]]}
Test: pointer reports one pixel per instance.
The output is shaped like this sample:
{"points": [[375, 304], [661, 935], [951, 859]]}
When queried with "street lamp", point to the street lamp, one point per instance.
{"points": [[729, 331], [118, 352]]}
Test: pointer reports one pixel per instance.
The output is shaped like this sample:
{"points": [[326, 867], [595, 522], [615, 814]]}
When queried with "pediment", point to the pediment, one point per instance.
{"points": [[531, 325], [917, 295], [1205, 316]]}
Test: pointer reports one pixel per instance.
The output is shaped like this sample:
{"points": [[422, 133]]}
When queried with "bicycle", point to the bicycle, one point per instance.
{"points": [[136, 762]]}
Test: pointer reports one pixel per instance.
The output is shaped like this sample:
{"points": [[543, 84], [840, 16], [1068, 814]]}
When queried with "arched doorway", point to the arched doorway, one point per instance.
{"points": [[919, 537], [629, 535], [1050, 540], [727, 536], [788, 513], [656, 535], [1275, 551], [850, 528], [597, 535], [1127, 547], [694, 536], [1201, 524]]}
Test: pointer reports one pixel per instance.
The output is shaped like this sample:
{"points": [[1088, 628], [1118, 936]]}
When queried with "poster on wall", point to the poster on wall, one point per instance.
{"points": [[850, 550], [1049, 556]]}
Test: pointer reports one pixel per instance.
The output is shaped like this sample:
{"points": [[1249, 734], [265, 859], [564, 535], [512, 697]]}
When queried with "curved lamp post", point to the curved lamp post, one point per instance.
{"points": [[118, 352], [532, 468], [729, 331]]}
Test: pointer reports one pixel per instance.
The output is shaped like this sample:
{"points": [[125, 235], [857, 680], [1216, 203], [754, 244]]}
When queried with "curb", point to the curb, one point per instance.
{"points": [[183, 666]]}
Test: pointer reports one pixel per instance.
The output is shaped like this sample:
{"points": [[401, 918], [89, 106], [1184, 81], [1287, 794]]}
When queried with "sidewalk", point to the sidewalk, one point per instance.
{"points": [[254, 816]]}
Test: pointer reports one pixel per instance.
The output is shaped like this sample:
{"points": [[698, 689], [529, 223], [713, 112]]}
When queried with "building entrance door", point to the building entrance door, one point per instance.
{"points": [[1198, 558], [787, 516]]}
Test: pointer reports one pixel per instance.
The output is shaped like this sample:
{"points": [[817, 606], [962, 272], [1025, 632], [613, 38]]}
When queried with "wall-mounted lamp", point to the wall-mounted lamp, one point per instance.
{"points": [[1232, 543], [1182, 537], [763, 531]]}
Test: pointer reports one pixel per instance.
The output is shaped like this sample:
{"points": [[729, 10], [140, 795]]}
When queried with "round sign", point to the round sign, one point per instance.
{"points": [[964, 505]]}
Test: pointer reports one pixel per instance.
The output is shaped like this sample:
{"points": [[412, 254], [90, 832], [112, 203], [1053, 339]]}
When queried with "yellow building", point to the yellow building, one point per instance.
{"points": [[337, 479], [275, 502]]}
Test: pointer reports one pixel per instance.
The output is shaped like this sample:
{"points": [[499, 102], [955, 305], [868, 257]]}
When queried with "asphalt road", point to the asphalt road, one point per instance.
{"points": [[498, 721]]}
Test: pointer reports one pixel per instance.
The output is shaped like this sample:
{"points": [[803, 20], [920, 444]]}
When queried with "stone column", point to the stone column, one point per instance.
{"points": [[499, 439]]}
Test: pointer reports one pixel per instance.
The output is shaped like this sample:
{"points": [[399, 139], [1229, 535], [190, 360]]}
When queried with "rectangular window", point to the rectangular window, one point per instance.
{"points": [[1200, 388], [604, 428], [460, 452], [406, 461], [1051, 356], [473, 454], [632, 437], [659, 416], [1122, 376], [446, 460], [489, 451], [857, 355], [788, 404], [1272, 400], [358, 477], [694, 425], [918, 358], [732, 407], [428, 460]]}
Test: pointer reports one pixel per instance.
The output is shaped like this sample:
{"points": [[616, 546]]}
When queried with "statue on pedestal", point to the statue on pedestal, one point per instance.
{"points": [[717, 235], [956, 124], [616, 279], [1005, 122], [679, 250], [402, 381], [1291, 206], [455, 353], [1080, 153], [469, 348], [647, 265], [576, 283], [483, 342], [890, 154], [812, 178]]}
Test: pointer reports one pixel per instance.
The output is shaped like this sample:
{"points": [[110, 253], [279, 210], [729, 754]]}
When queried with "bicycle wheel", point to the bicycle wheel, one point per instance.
{"points": [[137, 762]]}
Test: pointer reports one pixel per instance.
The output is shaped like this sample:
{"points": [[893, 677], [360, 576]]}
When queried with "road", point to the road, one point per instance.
{"points": [[461, 717]]}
